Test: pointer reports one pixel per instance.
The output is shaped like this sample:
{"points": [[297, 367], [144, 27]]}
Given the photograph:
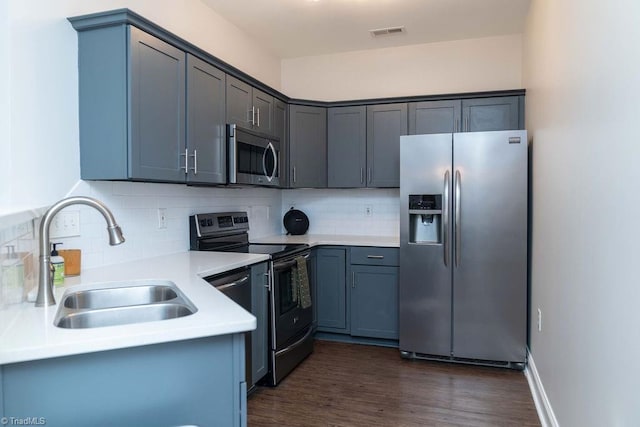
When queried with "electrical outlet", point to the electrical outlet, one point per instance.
{"points": [[539, 320], [368, 210], [162, 218], [65, 224]]}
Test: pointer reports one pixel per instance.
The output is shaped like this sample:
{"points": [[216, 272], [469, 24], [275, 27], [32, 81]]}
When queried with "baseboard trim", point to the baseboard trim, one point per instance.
{"points": [[543, 406]]}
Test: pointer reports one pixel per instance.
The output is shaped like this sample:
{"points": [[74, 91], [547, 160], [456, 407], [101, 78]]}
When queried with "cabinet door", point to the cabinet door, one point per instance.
{"points": [[263, 106], [280, 130], [308, 146], [385, 124], [157, 109], [239, 103], [259, 308], [331, 290], [346, 146], [206, 139], [374, 301], [489, 114], [434, 117]]}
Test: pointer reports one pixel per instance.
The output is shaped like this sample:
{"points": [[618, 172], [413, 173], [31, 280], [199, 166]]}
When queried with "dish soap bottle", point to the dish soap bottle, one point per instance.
{"points": [[58, 266], [12, 278]]}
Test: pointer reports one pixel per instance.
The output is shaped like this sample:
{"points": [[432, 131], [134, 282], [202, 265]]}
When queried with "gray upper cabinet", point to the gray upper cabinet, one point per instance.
{"points": [[347, 146], [307, 146], [489, 114], [205, 150], [248, 107], [385, 124], [132, 106], [280, 130], [434, 117]]}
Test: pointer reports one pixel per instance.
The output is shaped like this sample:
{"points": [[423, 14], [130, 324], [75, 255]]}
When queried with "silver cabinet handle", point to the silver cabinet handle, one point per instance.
{"points": [[361, 175], [457, 213], [258, 117], [375, 256], [353, 279], [445, 221], [186, 161], [195, 162], [253, 115], [232, 284], [268, 285], [294, 174], [369, 175]]}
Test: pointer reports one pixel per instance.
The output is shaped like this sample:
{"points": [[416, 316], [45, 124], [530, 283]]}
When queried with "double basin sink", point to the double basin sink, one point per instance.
{"points": [[121, 303]]}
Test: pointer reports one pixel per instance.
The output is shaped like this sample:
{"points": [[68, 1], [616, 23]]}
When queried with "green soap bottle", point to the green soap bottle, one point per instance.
{"points": [[58, 265]]}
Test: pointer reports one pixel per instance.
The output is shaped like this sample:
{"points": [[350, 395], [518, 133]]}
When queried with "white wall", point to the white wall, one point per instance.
{"points": [[582, 75], [38, 61], [491, 63], [5, 111]]}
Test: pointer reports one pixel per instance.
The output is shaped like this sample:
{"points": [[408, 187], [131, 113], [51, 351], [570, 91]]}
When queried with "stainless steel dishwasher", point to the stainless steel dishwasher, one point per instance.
{"points": [[236, 284]]}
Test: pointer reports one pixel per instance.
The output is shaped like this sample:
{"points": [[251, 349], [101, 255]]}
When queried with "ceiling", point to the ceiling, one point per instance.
{"points": [[294, 28]]}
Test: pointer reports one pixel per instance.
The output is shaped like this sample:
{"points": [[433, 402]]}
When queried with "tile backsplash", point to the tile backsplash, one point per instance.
{"points": [[347, 211], [135, 207]]}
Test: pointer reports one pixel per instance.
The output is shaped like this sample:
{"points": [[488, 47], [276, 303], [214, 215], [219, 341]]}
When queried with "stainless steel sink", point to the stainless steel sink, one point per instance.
{"points": [[111, 304], [118, 297]]}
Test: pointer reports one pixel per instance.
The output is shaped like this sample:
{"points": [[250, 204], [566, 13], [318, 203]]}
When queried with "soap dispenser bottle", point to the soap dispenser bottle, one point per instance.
{"points": [[12, 278], [58, 266]]}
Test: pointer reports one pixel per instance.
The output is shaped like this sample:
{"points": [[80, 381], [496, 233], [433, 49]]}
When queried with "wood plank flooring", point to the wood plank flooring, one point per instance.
{"points": [[356, 385]]}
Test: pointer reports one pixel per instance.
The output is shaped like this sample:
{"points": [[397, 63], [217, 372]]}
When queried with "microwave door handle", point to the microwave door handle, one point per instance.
{"points": [[275, 162]]}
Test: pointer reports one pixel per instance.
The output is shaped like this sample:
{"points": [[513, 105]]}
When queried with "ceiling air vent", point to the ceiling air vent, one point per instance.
{"points": [[389, 31]]}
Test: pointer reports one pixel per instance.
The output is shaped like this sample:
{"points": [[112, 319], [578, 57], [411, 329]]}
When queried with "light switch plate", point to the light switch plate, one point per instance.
{"points": [[65, 224]]}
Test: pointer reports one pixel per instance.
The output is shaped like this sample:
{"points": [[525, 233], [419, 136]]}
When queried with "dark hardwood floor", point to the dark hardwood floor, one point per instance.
{"points": [[356, 385]]}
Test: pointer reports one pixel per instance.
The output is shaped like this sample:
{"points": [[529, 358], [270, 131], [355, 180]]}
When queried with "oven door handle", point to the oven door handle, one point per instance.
{"points": [[233, 284], [286, 264], [295, 344]]}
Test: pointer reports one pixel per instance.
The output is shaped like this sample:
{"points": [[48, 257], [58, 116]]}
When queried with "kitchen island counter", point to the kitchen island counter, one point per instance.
{"points": [[28, 333]]}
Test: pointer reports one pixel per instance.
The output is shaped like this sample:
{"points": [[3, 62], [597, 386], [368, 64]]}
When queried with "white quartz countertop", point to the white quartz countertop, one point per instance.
{"points": [[333, 239], [27, 332]]}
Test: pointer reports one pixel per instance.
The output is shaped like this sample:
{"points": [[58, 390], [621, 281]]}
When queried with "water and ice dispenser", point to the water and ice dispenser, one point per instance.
{"points": [[425, 218]]}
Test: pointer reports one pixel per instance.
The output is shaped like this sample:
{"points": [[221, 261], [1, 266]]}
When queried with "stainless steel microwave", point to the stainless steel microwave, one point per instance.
{"points": [[253, 157]]}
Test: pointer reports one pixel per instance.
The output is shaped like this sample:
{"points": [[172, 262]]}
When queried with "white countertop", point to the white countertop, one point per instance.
{"points": [[27, 332], [333, 239]]}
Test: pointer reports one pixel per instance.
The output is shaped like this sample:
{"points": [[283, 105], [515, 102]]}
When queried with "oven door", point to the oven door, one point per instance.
{"points": [[253, 158], [288, 318]]}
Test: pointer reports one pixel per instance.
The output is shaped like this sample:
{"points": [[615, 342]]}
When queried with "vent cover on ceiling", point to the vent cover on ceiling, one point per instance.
{"points": [[389, 31]]}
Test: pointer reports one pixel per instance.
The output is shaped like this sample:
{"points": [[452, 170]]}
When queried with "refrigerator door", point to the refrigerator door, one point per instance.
{"points": [[425, 279], [490, 253]]}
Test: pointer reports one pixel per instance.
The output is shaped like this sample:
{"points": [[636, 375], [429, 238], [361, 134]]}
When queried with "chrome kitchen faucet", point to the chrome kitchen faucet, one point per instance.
{"points": [[45, 293]]}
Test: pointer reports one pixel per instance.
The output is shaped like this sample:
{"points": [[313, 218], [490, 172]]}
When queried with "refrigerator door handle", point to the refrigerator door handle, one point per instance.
{"points": [[456, 213], [445, 221]]}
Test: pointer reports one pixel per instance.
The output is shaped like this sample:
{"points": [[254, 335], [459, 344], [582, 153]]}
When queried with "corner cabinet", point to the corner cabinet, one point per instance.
{"points": [[307, 146], [135, 93]]}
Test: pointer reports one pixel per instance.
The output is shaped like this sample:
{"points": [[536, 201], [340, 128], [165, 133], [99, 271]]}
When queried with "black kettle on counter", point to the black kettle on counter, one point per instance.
{"points": [[295, 222]]}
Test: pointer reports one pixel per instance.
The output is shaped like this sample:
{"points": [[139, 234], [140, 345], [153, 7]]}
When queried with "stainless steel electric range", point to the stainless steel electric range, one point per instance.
{"points": [[290, 324]]}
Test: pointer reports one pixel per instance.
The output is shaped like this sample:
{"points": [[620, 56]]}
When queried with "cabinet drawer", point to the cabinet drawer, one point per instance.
{"points": [[374, 256]]}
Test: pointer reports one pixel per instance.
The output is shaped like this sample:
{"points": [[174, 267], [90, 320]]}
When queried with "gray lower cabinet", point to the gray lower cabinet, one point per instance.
{"points": [[205, 150], [347, 147], [307, 146], [331, 290], [193, 382], [374, 301], [259, 308], [385, 124], [249, 107], [357, 291]]}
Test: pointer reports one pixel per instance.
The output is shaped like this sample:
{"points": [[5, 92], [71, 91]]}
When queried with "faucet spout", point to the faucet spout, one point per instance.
{"points": [[45, 289]]}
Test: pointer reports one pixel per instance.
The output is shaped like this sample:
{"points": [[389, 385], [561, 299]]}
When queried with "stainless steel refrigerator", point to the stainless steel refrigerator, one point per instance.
{"points": [[463, 247]]}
